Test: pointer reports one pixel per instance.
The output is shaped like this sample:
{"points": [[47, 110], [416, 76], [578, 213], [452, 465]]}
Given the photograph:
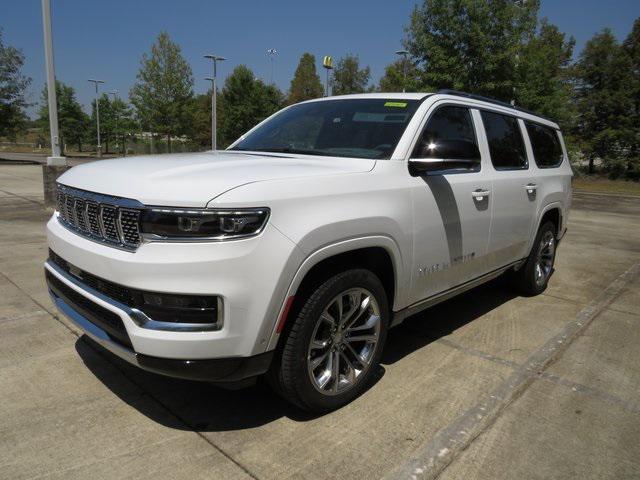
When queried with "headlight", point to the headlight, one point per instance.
{"points": [[202, 224]]}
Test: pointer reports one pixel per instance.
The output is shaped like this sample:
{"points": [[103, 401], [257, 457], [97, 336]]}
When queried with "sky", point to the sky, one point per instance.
{"points": [[106, 39]]}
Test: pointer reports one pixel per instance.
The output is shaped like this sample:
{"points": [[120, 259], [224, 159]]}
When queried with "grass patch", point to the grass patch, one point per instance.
{"points": [[601, 185]]}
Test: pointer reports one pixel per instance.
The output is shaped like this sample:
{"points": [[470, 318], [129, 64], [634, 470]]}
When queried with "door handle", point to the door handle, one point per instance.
{"points": [[531, 187], [479, 194]]}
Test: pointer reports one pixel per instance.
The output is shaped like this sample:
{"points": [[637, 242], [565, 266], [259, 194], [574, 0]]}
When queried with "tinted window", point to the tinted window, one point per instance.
{"points": [[366, 128], [545, 144], [505, 141], [449, 134]]}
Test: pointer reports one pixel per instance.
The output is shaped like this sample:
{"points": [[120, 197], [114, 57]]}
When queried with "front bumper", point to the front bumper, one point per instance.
{"points": [[246, 274], [97, 323]]}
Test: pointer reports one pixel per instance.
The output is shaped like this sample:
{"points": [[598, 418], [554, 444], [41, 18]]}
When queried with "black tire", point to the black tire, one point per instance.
{"points": [[290, 372], [527, 280]]}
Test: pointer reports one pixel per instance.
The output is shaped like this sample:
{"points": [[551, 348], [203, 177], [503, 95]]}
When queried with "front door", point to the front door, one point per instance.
{"points": [[452, 208]]}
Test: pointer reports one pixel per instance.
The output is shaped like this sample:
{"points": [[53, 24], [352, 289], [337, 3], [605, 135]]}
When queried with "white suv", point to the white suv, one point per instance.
{"points": [[294, 251]]}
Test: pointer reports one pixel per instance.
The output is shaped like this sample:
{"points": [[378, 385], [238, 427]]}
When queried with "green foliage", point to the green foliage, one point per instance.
{"points": [[13, 85], [73, 123], [245, 101], [201, 119], [470, 45], [348, 77], [543, 75], [393, 78], [116, 120], [605, 88], [631, 47], [163, 92], [306, 83]]}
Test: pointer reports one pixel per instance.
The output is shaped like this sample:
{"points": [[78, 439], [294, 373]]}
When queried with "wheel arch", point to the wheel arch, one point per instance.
{"points": [[379, 254], [552, 212]]}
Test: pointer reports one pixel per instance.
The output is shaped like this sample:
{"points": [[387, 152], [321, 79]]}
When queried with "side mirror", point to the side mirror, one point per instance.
{"points": [[445, 156]]}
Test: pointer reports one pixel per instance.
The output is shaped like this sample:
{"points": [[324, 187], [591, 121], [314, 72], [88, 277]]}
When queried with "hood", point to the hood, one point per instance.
{"points": [[193, 179]]}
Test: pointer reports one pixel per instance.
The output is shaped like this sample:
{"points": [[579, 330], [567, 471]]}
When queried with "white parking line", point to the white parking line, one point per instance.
{"points": [[433, 456]]}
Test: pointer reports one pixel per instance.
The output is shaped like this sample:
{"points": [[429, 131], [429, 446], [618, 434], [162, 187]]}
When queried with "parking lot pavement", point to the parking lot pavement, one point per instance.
{"points": [[488, 385]]}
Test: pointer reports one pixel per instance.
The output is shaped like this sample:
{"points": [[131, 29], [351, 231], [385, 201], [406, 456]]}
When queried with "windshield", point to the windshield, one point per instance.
{"points": [[362, 128]]}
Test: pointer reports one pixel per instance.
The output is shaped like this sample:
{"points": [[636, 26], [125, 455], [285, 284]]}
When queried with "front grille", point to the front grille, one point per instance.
{"points": [[104, 319], [106, 219]]}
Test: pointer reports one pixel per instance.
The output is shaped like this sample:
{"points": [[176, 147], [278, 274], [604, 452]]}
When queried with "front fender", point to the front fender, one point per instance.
{"points": [[336, 248]]}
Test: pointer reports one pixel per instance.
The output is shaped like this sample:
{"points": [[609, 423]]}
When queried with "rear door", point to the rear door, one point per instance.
{"points": [[514, 188], [452, 209]]}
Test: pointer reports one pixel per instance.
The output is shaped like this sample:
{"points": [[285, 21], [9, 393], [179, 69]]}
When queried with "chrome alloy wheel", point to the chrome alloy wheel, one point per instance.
{"points": [[344, 341], [544, 260]]}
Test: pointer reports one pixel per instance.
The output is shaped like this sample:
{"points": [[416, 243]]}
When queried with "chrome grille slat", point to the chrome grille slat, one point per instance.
{"points": [[102, 218], [93, 210], [68, 210], [79, 206], [130, 226], [108, 216]]}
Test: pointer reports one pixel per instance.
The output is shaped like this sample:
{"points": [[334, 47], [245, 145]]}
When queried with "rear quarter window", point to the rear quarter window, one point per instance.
{"points": [[547, 151]]}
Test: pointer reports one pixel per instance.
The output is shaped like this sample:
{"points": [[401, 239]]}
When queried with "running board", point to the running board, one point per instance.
{"points": [[401, 315]]}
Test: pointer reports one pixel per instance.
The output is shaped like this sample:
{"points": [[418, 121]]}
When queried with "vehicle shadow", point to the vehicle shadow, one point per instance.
{"points": [[439, 321], [198, 406]]}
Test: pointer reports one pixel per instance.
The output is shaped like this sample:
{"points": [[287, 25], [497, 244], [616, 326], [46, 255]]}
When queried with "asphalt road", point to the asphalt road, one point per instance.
{"points": [[485, 386]]}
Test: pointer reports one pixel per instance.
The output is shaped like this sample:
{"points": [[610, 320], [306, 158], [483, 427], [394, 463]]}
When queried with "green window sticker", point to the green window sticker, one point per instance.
{"points": [[396, 104]]}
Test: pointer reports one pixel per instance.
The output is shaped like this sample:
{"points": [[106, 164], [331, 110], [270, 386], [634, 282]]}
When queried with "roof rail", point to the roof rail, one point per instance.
{"points": [[458, 93]]}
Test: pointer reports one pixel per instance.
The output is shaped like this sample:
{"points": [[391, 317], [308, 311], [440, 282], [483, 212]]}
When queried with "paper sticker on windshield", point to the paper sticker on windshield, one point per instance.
{"points": [[396, 104]]}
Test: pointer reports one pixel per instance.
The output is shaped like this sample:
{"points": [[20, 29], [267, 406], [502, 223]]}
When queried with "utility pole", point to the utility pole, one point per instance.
{"points": [[96, 83], [404, 54], [215, 59], [327, 63], [115, 97], [56, 158], [272, 52]]}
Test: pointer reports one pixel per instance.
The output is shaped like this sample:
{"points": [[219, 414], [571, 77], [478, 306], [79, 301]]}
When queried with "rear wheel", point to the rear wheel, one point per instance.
{"points": [[532, 278], [335, 342]]}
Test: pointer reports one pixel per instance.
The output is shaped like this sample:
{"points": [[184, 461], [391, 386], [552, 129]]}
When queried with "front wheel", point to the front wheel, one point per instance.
{"points": [[335, 342], [532, 278]]}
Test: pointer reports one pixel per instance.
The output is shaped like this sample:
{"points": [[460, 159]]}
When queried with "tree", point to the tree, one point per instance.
{"points": [[246, 101], [631, 47], [470, 45], [116, 120], [604, 87], [348, 77], [393, 78], [201, 119], [13, 85], [543, 75], [124, 123], [306, 83], [73, 123], [163, 92]]}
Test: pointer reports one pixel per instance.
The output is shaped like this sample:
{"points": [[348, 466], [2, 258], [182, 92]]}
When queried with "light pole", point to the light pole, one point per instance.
{"points": [[404, 54], [327, 63], [115, 97], [272, 52], [56, 158], [215, 59], [96, 83]]}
